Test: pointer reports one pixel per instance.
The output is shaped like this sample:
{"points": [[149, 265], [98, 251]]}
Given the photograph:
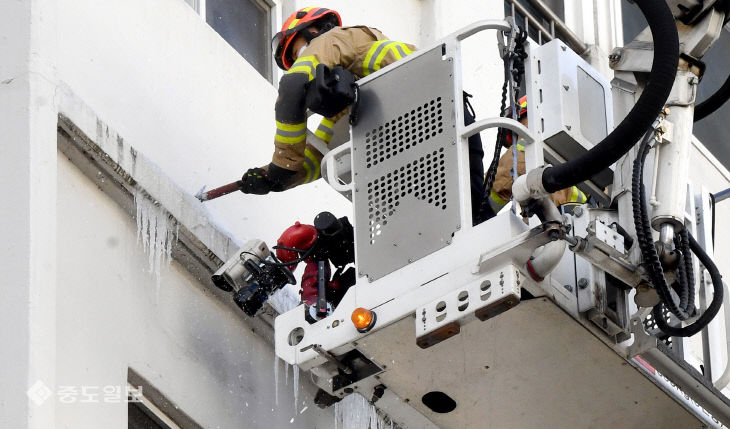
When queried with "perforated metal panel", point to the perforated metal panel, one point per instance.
{"points": [[405, 164]]}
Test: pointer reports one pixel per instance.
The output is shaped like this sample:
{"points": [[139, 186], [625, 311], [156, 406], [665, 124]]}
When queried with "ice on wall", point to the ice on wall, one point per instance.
{"points": [[355, 412], [155, 231]]}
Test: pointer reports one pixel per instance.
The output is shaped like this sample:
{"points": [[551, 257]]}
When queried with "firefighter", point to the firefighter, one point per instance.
{"points": [[310, 37], [502, 189]]}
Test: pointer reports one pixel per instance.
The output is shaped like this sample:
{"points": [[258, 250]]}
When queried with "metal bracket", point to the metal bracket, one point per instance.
{"points": [[642, 340]]}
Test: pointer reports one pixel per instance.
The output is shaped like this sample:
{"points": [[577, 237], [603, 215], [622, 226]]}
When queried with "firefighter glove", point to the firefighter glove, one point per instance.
{"points": [[255, 181]]}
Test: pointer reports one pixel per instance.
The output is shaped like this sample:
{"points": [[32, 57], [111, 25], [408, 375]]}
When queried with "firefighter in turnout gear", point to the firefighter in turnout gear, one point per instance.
{"points": [[309, 38], [312, 41], [501, 191]]}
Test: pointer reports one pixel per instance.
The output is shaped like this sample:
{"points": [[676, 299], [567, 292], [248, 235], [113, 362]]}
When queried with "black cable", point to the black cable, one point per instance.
{"points": [[686, 244], [647, 108], [649, 253], [519, 55], [492, 170], [712, 203], [280, 264], [711, 311], [713, 102]]}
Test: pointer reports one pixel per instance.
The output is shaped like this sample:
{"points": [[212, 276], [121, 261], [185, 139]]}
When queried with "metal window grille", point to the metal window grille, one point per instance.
{"points": [[543, 23]]}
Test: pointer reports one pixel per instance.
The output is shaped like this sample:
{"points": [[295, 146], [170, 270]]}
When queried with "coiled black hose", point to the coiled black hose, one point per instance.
{"points": [[711, 311], [685, 243], [713, 102], [646, 243], [647, 108]]}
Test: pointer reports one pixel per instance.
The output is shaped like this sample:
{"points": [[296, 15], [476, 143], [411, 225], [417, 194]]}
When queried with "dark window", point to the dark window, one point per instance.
{"points": [[714, 129], [246, 25], [139, 417]]}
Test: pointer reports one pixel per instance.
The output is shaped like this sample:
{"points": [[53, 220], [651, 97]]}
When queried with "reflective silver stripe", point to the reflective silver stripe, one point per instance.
{"points": [[325, 129], [304, 63], [290, 133], [399, 47], [320, 11], [371, 64], [311, 171]]}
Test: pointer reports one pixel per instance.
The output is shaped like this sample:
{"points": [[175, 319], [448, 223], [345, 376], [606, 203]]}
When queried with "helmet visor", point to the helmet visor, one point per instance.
{"points": [[276, 41]]}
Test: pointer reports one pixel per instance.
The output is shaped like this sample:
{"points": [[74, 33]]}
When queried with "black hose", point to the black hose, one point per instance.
{"points": [[644, 236], [643, 114], [686, 244], [711, 311], [714, 102]]}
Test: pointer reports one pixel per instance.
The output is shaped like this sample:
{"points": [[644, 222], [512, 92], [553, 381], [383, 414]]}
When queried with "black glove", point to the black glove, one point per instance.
{"points": [[255, 181], [279, 177]]}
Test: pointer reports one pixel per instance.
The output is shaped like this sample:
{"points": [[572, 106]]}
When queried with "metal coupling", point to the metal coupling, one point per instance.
{"points": [[529, 186]]}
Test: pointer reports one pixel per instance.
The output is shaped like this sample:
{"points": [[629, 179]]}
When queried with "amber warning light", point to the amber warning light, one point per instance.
{"points": [[363, 319]]}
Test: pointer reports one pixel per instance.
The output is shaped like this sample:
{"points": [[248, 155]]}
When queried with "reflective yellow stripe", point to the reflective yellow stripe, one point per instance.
{"points": [[397, 52], [291, 127], [324, 130], [577, 196], [324, 136], [365, 63], [370, 65], [520, 147], [290, 140], [306, 65], [296, 20], [308, 171], [497, 199], [380, 57], [304, 70], [315, 163]]}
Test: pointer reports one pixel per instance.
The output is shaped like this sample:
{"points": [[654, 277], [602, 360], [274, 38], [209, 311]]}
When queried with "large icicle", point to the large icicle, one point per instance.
{"points": [[355, 412], [156, 233]]}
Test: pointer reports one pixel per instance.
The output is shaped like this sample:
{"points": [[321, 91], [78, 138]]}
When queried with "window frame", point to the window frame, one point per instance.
{"points": [[199, 6]]}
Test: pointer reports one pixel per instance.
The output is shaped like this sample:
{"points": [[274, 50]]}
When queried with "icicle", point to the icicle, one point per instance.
{"points": [[295, 381], [286, 377], [156, 233], [276, 379], [354, 412]]}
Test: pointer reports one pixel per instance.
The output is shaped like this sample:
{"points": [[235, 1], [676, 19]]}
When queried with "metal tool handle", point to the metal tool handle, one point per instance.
{"points": [[220, 191], [322, 278]]}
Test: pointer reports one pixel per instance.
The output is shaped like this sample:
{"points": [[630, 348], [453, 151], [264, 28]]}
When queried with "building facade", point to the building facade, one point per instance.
{"points": [[112, 115]]}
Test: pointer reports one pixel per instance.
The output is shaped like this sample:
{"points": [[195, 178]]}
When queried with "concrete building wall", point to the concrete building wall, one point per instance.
{"points": [[112, 315]]}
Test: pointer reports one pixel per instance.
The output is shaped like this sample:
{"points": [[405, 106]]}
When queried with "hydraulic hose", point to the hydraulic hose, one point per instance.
{"points": [[684, 309], [714, 102], [685, 243], [711, 311], [647, 108]]}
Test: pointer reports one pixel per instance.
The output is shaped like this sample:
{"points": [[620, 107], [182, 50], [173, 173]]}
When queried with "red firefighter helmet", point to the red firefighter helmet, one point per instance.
{"points": [[298, 21], [521, 108], [297, 236], [521, 113]]}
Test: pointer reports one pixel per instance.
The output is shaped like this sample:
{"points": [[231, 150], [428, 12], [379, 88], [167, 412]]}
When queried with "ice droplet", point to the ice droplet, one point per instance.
{"points": [[156, 232], [276, 379]]}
